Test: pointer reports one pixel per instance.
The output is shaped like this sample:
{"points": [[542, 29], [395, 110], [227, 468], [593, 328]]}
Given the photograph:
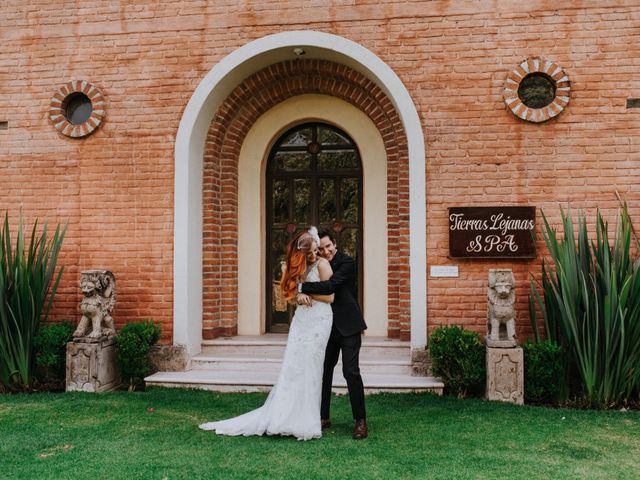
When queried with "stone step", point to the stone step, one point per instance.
{"points": [[272, 346], [237, 362], [233, 381], [277, 352]]}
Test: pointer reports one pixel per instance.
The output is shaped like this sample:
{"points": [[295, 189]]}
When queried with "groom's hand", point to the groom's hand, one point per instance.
{"points": [[302, 299]]}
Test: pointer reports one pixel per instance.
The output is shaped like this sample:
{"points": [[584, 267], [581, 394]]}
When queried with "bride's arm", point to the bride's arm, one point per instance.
{"points": [[325, 271]]}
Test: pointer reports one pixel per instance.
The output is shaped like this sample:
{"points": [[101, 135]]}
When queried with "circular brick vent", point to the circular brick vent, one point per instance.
{"points": [[536, 90], [77, 109]]}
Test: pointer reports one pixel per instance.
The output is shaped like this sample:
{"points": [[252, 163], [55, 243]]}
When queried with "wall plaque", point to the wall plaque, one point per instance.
{"points": [[444, 271], [492, 232]]}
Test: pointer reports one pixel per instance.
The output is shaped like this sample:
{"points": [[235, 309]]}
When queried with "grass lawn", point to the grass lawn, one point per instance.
{"points": [[115, 435]]}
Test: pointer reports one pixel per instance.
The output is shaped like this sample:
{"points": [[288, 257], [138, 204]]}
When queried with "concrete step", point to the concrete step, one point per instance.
{"points": [[252, 363], [239, 362], [272, 346], [233, 381], [397, 355]]}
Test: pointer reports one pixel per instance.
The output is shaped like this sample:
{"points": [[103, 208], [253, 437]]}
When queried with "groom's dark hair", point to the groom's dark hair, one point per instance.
{"points": [[327, 233]]}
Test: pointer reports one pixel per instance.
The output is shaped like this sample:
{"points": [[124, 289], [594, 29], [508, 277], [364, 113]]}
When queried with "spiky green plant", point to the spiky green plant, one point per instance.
{"points": [[26, 296], [591, 307]]}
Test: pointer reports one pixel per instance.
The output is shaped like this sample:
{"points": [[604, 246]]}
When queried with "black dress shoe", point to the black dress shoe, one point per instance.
{"points": [[360, 430], [325, 423]]}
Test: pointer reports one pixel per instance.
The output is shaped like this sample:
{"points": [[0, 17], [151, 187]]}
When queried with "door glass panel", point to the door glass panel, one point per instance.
{"points": [[327, 200], [349, 242], [280, 201], [279, 306], [337, 159], [329, 136], [299, 138], [349, 194], [287, 161], [302, 201]]}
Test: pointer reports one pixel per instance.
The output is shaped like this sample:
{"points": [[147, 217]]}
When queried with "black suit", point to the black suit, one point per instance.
{"points": [[346, 332]]}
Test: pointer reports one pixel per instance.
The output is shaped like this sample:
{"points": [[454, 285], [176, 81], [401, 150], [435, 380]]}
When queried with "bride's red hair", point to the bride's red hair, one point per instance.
{"points": [[295, 263]]}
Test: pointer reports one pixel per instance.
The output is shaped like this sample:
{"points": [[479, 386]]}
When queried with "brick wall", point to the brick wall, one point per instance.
{"points": [[115, 187]]}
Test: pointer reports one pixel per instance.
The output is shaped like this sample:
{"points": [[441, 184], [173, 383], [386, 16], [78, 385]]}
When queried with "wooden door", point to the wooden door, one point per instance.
{"points": [[314, 177]]}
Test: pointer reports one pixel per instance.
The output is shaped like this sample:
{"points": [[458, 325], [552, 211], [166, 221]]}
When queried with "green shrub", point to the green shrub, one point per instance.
{"points": [[543, 372], [28, 285], [134, 342], [591, 307], [458, 357], [50, 345]]}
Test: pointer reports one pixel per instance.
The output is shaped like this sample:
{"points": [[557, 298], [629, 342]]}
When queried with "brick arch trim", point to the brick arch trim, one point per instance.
{"points": [[230, 125]]}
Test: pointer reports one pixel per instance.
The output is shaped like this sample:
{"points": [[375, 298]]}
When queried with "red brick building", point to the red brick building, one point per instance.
{"points": [[187, 177]]}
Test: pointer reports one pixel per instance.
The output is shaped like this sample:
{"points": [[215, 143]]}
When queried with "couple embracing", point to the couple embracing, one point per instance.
{"points": [[321, 280]]}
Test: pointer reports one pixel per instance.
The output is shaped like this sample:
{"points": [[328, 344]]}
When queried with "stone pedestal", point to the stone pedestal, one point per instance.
{"points": [[505, 375], [92, 365], [500, 343], [168, 358], [421, 363]]}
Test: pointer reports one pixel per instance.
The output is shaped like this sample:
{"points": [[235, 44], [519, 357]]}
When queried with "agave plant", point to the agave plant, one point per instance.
{"points": [[592, 307], [26, 296]]}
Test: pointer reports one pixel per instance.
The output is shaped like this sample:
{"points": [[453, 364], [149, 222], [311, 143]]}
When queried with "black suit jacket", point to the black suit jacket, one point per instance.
{"points": [[347, 317]]}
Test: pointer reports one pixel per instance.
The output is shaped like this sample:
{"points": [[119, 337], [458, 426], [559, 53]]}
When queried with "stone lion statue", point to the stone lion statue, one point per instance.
{"points": [[501, 322], [99, 290]]}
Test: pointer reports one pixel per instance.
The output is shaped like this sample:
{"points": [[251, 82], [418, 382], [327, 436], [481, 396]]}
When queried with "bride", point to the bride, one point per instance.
{"points": [[293, 406]]}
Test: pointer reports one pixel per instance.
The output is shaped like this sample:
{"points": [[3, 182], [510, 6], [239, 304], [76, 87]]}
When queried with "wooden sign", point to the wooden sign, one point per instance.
{"points": [[492, 232]]}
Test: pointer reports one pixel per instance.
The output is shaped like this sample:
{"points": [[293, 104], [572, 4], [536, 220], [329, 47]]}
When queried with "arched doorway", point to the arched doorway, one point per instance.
{"points": [[191, 138], [252, 194], [313, 177]]}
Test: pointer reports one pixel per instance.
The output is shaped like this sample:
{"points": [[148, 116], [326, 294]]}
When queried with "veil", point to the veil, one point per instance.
{"points": [[313, 231], [304, 238]]}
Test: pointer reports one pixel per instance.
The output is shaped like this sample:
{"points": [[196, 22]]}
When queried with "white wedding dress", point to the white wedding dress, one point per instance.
{"points": [[293, 405]]}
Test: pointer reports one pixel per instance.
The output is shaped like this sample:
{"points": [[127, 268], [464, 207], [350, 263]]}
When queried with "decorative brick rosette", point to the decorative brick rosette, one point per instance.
{"points": [[537, 66], [57, 109]]}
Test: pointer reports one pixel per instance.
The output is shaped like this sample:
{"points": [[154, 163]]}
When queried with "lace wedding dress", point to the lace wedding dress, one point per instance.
{"points": [[293, 406]]}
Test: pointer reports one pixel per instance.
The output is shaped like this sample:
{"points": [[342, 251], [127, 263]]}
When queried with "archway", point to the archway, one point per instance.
{"points": [[208, 97], [251, 196]]}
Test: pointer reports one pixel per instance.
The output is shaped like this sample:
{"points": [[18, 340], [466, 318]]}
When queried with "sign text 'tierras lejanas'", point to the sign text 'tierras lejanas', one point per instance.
{"points": [[492, 232]]}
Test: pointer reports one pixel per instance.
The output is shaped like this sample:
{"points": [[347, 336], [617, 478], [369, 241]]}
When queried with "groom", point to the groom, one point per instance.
{"points": [[346, 333]]}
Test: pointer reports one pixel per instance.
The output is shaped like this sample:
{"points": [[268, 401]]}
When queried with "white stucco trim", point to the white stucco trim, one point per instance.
{"points": [[251, 201], [189, 150]]}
